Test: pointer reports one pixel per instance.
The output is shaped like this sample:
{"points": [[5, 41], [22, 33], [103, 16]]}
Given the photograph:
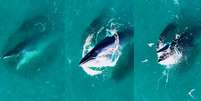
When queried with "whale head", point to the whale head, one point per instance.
{"points": [[104, 54], [169, 54]]}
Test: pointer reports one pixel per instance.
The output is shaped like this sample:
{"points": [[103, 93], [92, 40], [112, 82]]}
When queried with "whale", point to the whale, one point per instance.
{"points": [[26, 51], [21, 47], [106, 52], [106, 43], [175, 43], [28, 42]]}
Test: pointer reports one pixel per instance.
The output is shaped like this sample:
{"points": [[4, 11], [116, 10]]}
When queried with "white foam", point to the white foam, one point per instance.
{"points": [[190, 93], [90, 71], [176, 2], [145, 60], [87, 45], [172, 59], [150, 44]]}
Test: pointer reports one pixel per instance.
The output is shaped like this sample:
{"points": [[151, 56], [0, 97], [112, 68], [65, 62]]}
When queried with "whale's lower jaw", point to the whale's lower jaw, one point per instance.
{"points": [[99, 64], [90, 71], [172, 58]]}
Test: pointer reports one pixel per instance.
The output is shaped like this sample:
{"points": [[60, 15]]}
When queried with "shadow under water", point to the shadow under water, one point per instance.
{"points": [[125, 66]]}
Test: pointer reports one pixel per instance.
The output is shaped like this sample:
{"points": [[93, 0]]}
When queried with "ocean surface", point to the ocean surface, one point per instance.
{"points": [[53, 29], [48, 38], [152, 81]]}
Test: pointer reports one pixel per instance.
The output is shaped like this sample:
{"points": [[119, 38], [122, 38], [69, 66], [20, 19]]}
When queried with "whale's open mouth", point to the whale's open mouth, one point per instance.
{"points": [[93, 62], [105, 39], [169, 56]]}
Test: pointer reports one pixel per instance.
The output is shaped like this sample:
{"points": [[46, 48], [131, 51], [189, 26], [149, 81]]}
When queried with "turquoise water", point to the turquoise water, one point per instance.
{"points": [[183, 84], [55, 30], [54, 74]]}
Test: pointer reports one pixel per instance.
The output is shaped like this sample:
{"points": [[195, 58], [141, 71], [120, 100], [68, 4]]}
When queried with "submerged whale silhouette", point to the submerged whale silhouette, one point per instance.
{"points": [[33, 39]]}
